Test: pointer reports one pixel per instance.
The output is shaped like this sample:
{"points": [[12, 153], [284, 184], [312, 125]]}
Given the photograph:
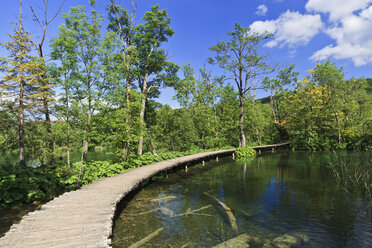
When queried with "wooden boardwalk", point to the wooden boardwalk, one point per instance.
{"points": [[84, 218], [271, 146]]}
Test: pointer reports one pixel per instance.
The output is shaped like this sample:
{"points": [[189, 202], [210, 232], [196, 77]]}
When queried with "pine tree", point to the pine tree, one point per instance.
{"points": [[20, 82]]}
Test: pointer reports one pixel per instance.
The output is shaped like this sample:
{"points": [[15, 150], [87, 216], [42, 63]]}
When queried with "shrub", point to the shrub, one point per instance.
{"points": [[91, 172], [245, 152], [24, 184]]}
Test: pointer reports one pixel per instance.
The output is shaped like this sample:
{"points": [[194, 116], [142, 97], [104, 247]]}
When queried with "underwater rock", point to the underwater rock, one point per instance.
{"points": [[166, 211], [287, 241], [241, 241]]}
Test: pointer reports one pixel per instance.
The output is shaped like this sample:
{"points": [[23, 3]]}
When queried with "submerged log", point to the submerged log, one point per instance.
{"points": [[170, 213], [158, 200], [228, 211], [146, 239], [142, 213], [189, 211], [164, 199]]}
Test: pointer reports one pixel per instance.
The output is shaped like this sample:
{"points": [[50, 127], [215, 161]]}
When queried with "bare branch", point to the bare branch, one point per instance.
{"points": [[35, 17], [133, 16], [55, 15], [152, 86], [44, 24]]}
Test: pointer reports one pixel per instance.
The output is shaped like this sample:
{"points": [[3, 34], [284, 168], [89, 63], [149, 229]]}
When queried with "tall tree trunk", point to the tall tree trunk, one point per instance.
{"points": [[153, 147], [68, 145], [215, 121], [68, 127], [84, 156], [48, 127], [338, 125], [215, 118], [142, 114], [128, 111], [21, 130], [272, 106], [242, 140], [83, 159]]}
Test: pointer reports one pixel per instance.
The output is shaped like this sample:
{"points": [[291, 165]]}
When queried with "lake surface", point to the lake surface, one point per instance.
{"points": [[282, 196]]}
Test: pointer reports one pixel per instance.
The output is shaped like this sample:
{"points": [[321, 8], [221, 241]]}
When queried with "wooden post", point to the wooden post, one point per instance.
{"points": [[185, 168], [217, 158], [203, 163], [233, 155], [259, 151], [273, 149]]}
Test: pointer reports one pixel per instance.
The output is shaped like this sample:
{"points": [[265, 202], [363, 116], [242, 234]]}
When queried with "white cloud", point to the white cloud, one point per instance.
{"points": [[347, 22], [262, 10], [360, 55], [290, 29], [337, 9], [350, 29]]}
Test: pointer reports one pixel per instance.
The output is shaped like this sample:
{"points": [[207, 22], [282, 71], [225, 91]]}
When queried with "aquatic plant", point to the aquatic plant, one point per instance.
{"points": [[245, 152], [353, 172]]}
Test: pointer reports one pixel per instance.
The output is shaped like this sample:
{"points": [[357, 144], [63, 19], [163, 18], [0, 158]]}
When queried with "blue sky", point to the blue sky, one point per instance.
{"points": [[304, 30]]}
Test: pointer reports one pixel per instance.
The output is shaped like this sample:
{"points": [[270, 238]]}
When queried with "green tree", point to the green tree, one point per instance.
{"points": [[152, 59], [326, 111], [122, 24], [239, 56], [200, 95], [228, 116], [175, 130], [276, 86], [21, 77], [45, 81], [345, 103], [81, 36], [64, 51]]}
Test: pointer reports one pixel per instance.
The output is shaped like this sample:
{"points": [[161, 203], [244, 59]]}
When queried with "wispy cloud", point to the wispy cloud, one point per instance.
{"points": [[262, 10], [290, 29]]}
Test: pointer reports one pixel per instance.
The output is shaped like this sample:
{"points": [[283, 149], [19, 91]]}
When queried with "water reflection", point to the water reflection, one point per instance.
{"points": [[271, 196]]}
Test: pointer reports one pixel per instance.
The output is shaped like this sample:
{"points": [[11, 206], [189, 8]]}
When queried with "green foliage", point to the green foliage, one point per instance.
{"points": [[91, 172], [259, 124], [149, 158], [245, 152], [327, 112], [20, 184], [239, 57]]}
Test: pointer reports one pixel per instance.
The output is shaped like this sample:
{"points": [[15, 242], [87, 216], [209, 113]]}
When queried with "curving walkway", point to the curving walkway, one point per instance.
{"points": [[84, 218]]}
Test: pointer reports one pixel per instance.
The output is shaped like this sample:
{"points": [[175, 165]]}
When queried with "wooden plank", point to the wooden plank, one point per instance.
{"points": [[270, 146]]}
